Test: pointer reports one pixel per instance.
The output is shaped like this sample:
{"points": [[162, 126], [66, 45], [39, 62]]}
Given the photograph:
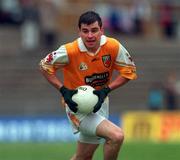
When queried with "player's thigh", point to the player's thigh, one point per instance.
{"points": [[107, 129], [86, 149]]}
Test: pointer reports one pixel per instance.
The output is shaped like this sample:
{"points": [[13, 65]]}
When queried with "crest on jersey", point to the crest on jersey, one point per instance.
{"points": [[83, 66], [106, 60]]}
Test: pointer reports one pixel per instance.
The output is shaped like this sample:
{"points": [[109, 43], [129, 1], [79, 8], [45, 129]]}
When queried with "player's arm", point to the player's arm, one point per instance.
{"points": [[126, 67], [127, 71], [52, 78], [118, 82], [48, 67], [66, 93], [102, 93]]}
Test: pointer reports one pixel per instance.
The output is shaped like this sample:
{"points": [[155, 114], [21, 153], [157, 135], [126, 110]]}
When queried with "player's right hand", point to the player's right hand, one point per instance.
{"points": [[67, 94]]}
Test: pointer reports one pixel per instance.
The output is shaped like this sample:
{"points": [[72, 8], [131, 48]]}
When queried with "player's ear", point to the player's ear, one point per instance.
{"points": [[102, 30]]}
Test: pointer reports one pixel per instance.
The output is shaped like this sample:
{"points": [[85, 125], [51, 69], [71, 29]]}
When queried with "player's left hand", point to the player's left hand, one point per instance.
{"points": [[102, 94]]}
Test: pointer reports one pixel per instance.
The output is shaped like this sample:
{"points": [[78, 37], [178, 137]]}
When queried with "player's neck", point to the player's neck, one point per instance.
{"points": [[93, 51]]}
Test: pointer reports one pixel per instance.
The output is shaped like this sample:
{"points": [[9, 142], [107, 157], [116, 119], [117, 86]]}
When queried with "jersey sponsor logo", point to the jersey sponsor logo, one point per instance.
{"points": [[97, 79], [83, 66], [106, 60]]}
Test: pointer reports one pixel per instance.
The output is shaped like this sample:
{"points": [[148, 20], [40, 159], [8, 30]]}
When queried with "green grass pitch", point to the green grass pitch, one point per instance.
{"points": [[63, 151]]}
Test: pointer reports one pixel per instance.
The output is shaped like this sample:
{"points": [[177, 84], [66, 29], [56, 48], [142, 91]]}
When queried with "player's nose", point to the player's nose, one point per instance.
{"points": [[90, 34]]}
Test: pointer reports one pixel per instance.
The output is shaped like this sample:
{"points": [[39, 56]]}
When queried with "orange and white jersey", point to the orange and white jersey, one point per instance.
{"points": [[80, 67]]}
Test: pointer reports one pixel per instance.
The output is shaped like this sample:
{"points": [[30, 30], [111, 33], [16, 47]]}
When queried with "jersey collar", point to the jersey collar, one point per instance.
{"points": [[83, 48]]}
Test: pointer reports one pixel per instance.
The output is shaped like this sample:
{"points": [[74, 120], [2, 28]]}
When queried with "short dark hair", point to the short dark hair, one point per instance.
{"points": [[89, 17]]}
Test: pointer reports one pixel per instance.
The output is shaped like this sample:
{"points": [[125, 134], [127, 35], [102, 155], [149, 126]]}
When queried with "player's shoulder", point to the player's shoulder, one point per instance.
{"points": [[112, 42], [71, 47], [71, 44]]}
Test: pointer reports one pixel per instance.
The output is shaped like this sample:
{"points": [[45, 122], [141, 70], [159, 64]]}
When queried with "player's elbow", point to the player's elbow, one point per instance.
{"points": [[41, 69]]}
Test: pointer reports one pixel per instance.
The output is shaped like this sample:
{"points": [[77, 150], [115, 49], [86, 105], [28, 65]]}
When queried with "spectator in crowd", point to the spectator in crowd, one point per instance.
{"points": [[10, 12], [115, 20], [48, 18], [171, 91], [30, 27], [156, 97], [167, 21], [141, 11]]}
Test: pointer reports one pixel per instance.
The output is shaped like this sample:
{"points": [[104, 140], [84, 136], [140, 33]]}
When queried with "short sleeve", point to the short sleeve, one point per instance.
{"points": [[125, 64], [55, 60]]}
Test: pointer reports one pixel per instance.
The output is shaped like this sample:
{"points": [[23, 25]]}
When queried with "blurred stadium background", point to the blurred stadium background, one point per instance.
{"points": [[32, 122]]}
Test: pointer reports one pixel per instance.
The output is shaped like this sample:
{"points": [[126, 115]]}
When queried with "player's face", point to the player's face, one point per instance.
{"points": [[91, 35]]}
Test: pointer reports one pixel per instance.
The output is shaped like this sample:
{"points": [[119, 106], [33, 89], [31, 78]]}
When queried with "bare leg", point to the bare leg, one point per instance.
{"points": [[114, 139], [84, 151]]}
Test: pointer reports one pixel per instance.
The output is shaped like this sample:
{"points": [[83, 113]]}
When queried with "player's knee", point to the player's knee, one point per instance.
{"points": [[117, 136]]}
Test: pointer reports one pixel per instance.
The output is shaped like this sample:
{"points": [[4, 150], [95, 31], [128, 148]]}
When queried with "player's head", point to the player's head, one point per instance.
{"points": [[90, 30], [88, 18]]}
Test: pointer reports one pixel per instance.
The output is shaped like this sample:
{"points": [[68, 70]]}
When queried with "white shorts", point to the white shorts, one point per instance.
{"points": [[86, 124]]}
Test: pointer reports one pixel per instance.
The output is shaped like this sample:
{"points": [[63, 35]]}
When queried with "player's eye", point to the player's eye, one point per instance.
{"points": [[85, 31], [95, 30]]}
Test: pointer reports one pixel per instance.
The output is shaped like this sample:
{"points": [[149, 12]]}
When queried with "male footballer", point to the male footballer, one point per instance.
{"points": [[91, 60]]}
